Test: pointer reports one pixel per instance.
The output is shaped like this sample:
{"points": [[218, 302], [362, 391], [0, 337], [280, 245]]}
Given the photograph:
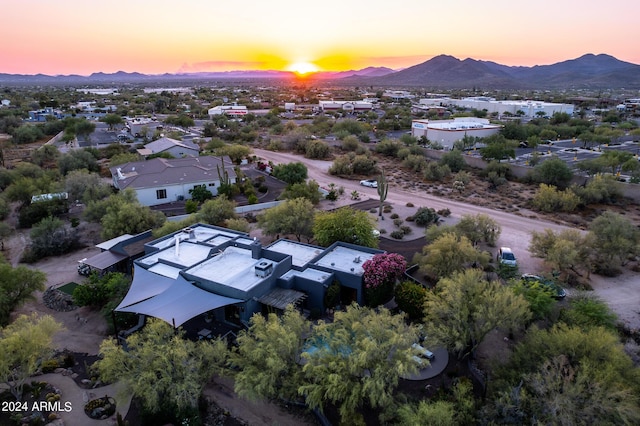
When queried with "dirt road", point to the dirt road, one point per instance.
{"points": [[621, 293]]}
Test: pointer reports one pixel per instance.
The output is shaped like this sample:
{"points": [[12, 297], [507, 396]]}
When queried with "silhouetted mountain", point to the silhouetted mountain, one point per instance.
{"points": [[448, 72], [443, 71]]}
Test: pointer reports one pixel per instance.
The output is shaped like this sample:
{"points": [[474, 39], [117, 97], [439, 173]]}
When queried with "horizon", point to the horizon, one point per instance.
{"points": [[194, 36]]}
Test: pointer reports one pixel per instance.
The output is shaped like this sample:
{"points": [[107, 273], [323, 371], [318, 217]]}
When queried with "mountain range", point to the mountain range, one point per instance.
{"points": [[443, 71]]}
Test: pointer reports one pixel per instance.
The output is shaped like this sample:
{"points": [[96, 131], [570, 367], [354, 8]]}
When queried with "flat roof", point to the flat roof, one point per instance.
{"points": [[301, 254], [188, 254], [344, 259], [234, 268], [106, 245], [201, 234], [310, 274], [165, 270]]}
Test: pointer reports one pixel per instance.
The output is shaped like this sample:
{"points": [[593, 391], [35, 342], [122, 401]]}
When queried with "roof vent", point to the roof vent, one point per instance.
{"points": [[357, 260], [263, 269]]}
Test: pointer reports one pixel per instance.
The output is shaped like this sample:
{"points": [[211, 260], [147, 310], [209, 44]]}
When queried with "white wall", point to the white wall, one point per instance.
{"points": [[148, 197]]}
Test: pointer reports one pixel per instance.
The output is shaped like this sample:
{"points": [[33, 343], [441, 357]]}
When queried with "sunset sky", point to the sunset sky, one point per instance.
{"points": [[158, 36]]}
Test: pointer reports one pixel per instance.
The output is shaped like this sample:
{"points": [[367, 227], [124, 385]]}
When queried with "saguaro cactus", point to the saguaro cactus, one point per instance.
{"points": [[383, 189]]}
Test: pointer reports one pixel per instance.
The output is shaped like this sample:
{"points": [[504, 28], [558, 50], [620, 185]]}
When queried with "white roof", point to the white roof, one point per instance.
{"points": [[300, 254], [345, 259], [234, 268], [107, 245]]}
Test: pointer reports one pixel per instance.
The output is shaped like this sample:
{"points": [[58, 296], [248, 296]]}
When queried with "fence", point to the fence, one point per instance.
{"points": [[239, 210]]}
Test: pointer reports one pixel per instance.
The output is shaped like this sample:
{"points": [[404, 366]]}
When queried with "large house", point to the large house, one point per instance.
{"points": [[161, 180], [176, 148], [226, 275]]}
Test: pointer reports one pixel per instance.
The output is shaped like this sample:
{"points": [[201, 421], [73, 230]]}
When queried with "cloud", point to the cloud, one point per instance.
{"points": [[221, 66]]}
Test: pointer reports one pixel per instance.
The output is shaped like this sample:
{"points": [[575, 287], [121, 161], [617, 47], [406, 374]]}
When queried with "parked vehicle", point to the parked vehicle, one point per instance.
{"points": [[559, 292], [371, 183], [424, 352], [506, 257]]}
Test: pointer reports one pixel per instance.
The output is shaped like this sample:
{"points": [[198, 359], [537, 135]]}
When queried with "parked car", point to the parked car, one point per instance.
{"points": [[506, 257], [559, 292], [371, 183]]}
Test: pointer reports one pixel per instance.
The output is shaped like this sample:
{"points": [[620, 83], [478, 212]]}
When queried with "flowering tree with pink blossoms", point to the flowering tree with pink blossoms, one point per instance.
{"points": [[380, 275]]}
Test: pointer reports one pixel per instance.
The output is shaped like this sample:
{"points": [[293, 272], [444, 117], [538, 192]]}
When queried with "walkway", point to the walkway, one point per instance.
{"points": [[78, 397]]}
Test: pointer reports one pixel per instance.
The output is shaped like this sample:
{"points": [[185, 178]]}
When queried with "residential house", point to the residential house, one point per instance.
{"points": [[229, 276], [161, 180], [176, 148]]}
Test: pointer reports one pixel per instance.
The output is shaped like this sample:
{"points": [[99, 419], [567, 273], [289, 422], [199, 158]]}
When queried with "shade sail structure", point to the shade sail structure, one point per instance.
{"points": [[104, 260], [145, 285], [179, 303]]}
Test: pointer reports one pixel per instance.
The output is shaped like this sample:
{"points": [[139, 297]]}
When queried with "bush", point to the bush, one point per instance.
{"points": [[263, 189], [444, 212], [454, 160], [415, 163], [406, 230], [394, 216], [388, 147], [238, 224], [410, 205], [410, 298], [549, 199], [426, 216], [364, 165], [191, 206], [436, 172], [317, 149], [252, 199], [398, 222], [398, 235]]}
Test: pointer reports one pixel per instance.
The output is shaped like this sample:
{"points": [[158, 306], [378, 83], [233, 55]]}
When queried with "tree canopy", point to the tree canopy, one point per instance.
{"points": [[344, 224], [291, 217]]}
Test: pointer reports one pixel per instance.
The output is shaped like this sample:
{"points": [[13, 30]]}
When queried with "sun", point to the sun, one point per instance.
{"points": [[303, 68]]}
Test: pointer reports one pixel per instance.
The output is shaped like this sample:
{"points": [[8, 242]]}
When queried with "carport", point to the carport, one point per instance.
{"points": [[104, 261]]}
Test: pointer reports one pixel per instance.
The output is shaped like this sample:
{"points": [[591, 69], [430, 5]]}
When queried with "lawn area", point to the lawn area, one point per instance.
{"points": [[68, 288]]}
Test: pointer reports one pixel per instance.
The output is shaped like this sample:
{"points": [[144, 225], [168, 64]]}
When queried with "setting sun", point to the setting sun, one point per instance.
{"points": [[302, 68]]}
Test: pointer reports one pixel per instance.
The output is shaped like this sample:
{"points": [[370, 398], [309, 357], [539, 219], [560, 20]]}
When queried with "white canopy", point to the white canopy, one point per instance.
{"points": [[145, 285], [179, 303]]}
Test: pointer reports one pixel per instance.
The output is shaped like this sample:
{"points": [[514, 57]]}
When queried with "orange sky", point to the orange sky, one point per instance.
{"points": [[153, 37]]}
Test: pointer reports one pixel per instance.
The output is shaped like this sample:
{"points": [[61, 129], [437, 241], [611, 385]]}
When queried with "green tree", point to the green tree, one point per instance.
{"points": [[454, 160], [448, 254], [290, 173], [268, 356], [358, 361], [463, 309], [216, 211], [200, 193], [235, 152], [553, 171], [498, 148], [112, 120], [309, 190], [540, 297], [587, 311], [567, 250], [344, 224], [16, 286], [291, 217], [24, 344], [410, 298], [76, 160], [548, 199], [85, 186], [479, 228], [163, 369], [129, 218], [616, 239], [566, 375], [50, 237]]}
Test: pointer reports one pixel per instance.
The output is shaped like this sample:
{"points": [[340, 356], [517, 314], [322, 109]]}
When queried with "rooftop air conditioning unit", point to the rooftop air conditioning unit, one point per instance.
{"points": [[263, 269]]}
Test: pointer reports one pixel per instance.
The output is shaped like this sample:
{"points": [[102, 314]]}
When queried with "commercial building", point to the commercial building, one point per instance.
{"points": [[527, 108], [447, 132], [348, 106], [230, 110], [226, 275], [161, 180]]}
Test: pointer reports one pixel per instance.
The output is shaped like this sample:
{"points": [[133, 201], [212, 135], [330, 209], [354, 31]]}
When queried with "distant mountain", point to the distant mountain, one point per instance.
{"points": [[443, 71], [587, 71]]}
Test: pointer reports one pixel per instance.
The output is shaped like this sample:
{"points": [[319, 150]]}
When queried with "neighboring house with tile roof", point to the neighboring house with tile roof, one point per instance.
{"points": [[178, 149], [161, 180]]}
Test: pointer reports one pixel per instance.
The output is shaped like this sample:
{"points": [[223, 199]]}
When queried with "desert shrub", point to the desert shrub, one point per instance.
{"points": [[444, 212], [415, 163], [454, 160], [398, 222], [349, 143], [341, 166], [436, 172], [388, 147], [462, 176], [502, 170], [426, 216], [262, 189], [549, 199], [364, 165], [406, 230], [394, 216], [600, 189], [252, 199], [410, 298], [238, 224], [403, 153], [317, 149], [410, 205], [398, 235], [589, 312], [373, 210], [387, 208], [409, 218], [191, 206]]}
